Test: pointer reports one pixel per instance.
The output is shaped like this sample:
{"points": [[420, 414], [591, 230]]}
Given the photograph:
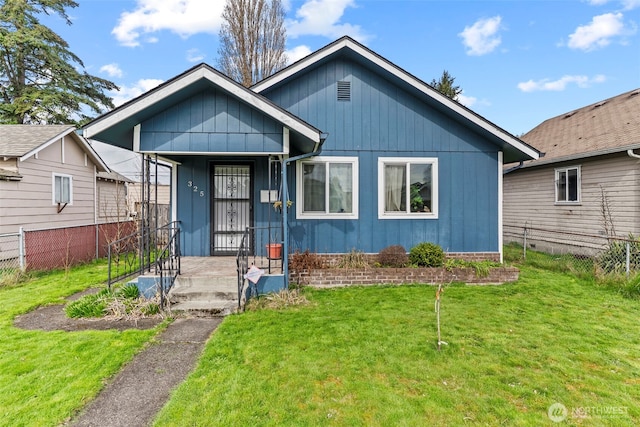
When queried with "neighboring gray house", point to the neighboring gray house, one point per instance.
{"points": [[588, 181], [47, 177]]}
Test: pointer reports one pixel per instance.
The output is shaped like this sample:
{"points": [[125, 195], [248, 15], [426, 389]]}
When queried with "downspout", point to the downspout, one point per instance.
{"points": [[630, 153], [285, 209]]}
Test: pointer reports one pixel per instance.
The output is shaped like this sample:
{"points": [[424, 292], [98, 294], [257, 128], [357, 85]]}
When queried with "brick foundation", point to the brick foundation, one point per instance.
{"points": [[337, 277]]}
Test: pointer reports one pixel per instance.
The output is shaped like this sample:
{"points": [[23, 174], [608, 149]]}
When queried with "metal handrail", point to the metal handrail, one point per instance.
{"points": [[168, 263], [242, 264], [136, 255]]}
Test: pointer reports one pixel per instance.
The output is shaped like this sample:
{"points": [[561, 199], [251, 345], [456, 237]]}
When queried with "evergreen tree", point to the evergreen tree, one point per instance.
{"points": [[252, 40], [40, 81], [446, 87]]}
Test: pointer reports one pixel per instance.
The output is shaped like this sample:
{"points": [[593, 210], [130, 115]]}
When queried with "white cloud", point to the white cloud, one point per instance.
{"points": [[467, 101], [560, 84], [598, 33], [630, 4], [127, 93], [194, 55], [183, 17], [322, 18], [482, 37], [297, 53], [112, 70]]}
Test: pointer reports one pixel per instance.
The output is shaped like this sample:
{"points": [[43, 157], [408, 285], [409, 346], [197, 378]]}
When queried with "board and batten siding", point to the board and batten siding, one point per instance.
{"points": [[384, 120], [529, 197], [211, 121], [28, 203]]}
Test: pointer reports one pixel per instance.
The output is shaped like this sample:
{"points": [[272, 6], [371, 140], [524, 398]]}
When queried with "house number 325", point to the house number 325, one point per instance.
{"points": [[194, 187]]}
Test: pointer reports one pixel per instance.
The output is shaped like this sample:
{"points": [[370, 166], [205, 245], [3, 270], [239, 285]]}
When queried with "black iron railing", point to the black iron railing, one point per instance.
{"points": [[138, 252], [168, 262], [256, 248]]}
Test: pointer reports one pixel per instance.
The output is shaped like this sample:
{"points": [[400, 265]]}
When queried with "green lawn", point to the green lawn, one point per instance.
{"points": [[367, 357], [45, 377]]}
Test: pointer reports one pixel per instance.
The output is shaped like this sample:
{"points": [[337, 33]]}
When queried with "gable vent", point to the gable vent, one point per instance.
{"points": [[344, 91]]}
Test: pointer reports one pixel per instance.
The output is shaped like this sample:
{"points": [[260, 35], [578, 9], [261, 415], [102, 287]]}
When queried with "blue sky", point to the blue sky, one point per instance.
{"points": [[518, 62]]}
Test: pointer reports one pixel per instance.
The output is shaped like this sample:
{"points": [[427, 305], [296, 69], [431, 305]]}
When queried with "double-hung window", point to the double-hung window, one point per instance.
{"points": [[62, 189], [407, 187], [327, 187], [568, 185]]}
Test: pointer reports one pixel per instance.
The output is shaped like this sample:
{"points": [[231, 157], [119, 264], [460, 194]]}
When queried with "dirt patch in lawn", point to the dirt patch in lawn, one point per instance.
{"points": [[53, 318]]}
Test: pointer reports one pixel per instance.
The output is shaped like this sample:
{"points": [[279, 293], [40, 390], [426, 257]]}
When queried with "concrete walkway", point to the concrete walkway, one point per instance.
{"points": [[140, 390]]}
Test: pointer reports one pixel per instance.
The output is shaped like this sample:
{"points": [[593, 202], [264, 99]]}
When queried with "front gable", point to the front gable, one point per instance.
{"points": [[211, 121]]}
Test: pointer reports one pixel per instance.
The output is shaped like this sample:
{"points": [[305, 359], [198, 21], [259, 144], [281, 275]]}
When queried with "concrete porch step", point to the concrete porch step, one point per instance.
{"points": [[203, 308]]}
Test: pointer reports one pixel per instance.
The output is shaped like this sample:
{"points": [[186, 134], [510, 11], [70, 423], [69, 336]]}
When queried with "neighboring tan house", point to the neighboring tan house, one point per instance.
{"points": [[47, 177], [588, 180], [372, 155], [48, 186], [160, 193]]}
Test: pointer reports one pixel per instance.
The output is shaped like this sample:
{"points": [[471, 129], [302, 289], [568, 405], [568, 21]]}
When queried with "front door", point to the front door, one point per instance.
{"points": [[231, 210]]}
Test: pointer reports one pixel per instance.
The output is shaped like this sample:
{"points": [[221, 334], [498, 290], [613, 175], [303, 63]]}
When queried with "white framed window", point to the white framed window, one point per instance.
{"points": [[568, 184], [407, 187], [327, 187], [62, 189]]}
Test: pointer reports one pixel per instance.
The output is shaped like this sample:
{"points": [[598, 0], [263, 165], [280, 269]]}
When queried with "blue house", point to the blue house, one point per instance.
{"points": [[351, 150]]}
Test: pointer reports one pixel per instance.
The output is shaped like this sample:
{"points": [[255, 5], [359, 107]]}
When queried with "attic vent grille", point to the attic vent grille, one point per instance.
{"points": [[344, 91]]}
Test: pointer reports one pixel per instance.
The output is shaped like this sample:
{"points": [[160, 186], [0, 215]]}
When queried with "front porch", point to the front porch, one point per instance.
{"points": [[208, 286]]}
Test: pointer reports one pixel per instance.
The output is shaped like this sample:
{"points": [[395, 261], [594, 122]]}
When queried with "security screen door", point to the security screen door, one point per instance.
{"points": [[231, 207]]}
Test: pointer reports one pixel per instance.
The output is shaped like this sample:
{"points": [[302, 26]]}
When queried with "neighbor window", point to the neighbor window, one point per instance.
{"points": [[568, 184], [62, 189], [327, 186], [407, 187]]}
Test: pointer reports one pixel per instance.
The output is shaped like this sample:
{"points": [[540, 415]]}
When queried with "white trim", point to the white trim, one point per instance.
{"points": [[285, 140], [407, 161], [500, 202], [174, 193], [62, 150], [400, 74], [213, 153], [566, 169], [328, 215], [226, 84], [136, 138], [53, 187], [46, 144], [96, 202]]}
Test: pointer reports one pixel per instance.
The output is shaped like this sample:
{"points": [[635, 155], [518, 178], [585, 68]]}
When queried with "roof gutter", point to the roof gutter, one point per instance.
{"points": [[317, 149]]}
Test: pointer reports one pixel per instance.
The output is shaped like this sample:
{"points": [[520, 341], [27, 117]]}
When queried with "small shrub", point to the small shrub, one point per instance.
{"points": [[354, 259], [12, 276], [427, 254], [305, 261], [393, 256], [92, 305], [614, 259], [128, 291]]}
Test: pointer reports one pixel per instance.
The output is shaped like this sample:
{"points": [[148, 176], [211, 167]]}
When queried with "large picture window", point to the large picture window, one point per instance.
{"points": [[568, 185], [407, 187], [62, 189], [327, 187]]}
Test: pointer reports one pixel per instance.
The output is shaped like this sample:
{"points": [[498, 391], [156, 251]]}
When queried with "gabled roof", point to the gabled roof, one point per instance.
{"points": [[23, 141], [605, 127], [113, 176], [116, 127], [514, 148]]}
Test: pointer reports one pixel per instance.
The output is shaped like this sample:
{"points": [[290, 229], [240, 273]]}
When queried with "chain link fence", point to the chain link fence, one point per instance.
{"points": [[46, 249], [600, 255]]}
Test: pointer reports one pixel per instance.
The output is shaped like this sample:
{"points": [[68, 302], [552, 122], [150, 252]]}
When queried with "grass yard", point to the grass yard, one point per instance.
{"points": [[47, 376], [367, 356]]}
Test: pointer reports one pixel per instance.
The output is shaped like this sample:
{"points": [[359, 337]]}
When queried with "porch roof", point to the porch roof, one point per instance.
{"points": [[117, 126]]}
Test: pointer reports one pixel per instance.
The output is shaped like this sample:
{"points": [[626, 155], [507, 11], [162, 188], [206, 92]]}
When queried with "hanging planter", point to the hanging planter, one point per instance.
{"points": [[274, 250]]}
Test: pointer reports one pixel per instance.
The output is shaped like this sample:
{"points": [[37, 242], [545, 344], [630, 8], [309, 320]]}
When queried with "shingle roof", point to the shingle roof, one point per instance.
{"points": [[606, 126], [113, 176], [18, 140]]}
